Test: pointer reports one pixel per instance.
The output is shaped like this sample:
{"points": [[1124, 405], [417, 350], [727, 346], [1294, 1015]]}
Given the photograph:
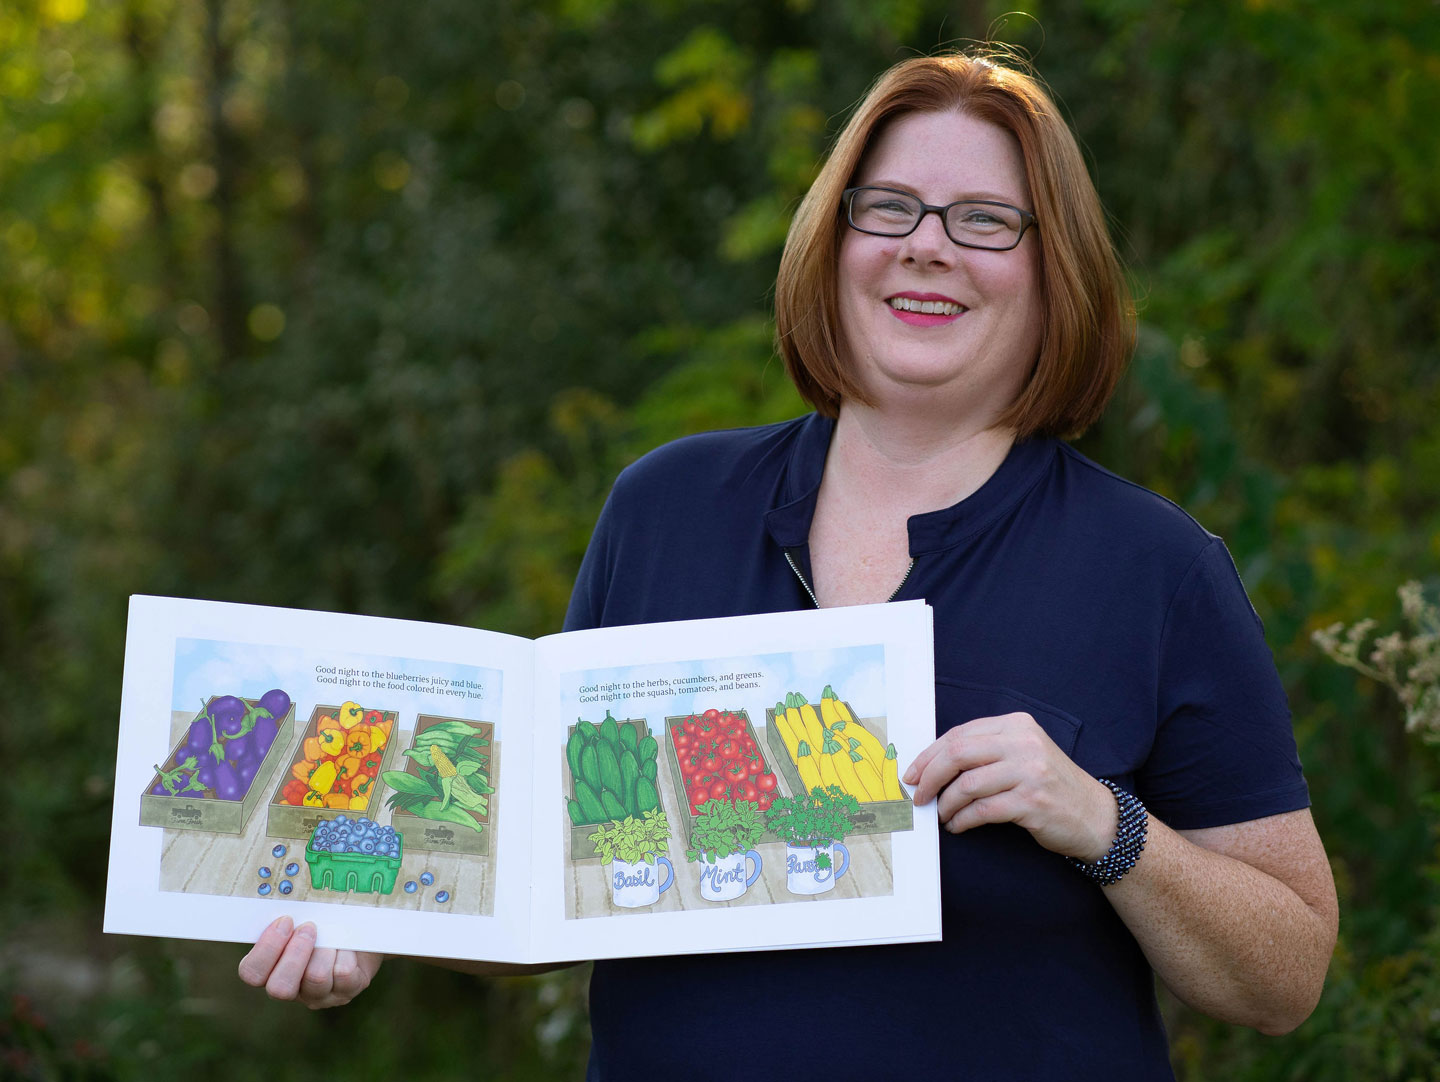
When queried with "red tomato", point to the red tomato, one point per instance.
{"points": [[719, 790], [712, 716], [729, 749], [765, 783], [699, 795], [688, 766], [746, 791], [683, 742], [736, 771], [690, 724], [711, 763], [765, 801]]}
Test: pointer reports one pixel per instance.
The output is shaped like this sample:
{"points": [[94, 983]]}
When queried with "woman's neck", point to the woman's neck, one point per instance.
{"points": [[911, 463]]}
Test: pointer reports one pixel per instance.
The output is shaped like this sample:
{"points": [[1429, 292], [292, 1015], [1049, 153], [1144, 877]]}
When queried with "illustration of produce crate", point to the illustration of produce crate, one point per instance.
{"points": [[677, 776], [364, 873], [289, 821], [442, 837], [191, 811], [581, 846], [874, 817]]}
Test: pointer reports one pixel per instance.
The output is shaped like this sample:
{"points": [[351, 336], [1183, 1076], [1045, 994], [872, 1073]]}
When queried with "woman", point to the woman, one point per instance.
{"points": [[949, 302]]}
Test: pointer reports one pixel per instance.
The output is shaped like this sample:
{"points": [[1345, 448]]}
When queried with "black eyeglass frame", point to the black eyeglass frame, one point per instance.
{"points": [[848, 200]]}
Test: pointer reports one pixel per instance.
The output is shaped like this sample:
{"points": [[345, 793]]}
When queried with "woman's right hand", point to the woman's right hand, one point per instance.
{"points": [[288, 965]]}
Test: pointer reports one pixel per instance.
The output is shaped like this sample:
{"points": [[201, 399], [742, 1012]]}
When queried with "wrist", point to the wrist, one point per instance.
{"points": [[1124, 850]]}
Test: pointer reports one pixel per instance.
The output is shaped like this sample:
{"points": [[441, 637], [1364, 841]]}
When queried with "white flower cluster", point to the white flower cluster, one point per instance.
{"points": [[1408, 664]]}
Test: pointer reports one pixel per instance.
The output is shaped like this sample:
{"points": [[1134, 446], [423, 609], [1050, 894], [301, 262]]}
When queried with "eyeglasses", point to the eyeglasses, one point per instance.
{"points": [[970, 223]]}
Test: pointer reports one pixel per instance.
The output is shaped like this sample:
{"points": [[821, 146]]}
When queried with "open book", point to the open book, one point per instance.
{"points": [[441, 791]]}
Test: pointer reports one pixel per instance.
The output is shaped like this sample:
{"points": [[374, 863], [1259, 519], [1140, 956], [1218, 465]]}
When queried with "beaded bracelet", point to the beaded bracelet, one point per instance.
{"points": [[1128, 844]]}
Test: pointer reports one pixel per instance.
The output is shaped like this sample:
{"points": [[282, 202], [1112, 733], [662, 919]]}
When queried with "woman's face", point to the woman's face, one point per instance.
{"points": [[974, 356]]}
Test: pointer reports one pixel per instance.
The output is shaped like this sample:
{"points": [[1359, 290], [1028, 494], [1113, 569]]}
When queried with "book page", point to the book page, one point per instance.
{"points": [[370, 775], [733, 784]]}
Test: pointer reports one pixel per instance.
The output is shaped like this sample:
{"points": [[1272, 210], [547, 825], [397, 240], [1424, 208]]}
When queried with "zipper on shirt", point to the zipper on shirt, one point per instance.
{"points": [[796, 568]]}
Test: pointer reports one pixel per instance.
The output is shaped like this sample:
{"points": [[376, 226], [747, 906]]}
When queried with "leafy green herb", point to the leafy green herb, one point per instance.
{"points": [[633, 840], [722, 828], [814, 819]]}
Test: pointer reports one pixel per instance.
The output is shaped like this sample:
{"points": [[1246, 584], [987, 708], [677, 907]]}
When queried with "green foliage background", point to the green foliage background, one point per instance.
{"points": [[361, 306]]}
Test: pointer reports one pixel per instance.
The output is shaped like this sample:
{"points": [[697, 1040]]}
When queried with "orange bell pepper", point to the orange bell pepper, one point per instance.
{"points": [[312, 747], [337, 800], [327, 721], [303, 769]]}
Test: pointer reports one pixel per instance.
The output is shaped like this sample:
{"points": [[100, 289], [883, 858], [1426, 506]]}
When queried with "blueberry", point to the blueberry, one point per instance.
{"points": [[286, 886], [264, 889], [292, 868], [367, 845], [278, 852], [426, 878], [264, 873], [342, 818], [410, 887], [442, 896], [364, 821]]}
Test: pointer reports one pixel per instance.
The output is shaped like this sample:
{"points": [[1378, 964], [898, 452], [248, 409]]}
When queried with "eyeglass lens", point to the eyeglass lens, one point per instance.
{"points": [[983, 225]]}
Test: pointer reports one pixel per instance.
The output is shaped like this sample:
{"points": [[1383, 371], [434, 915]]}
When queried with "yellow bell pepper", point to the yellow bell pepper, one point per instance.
{"points": [[357, 803], [332, 741], [378, 735], [314, 800], [323, 780], [351, 714]]}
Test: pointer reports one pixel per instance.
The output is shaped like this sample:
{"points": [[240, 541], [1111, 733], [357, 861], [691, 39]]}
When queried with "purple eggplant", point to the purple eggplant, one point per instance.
{"points": [[228, 712], [207, 773], [238, 747], [200, 737], [277, 702], [245, 773], [263, 735], [227, 785]]}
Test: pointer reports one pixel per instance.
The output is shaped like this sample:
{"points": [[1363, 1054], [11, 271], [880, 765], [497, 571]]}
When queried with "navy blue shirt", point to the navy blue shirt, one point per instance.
{"points": [[1058, 589]]}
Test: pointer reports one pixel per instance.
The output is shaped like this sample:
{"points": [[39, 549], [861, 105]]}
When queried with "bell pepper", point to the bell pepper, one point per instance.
{"points": [[351, 714], [313, 799], [293, 792], [312, 748], [358, 740], [303, 770], [337, 800], [324, 777], [362, 787], [378, 735], [327, 721], [359, 803], [332, 741], [370, 765], [374, 717]]}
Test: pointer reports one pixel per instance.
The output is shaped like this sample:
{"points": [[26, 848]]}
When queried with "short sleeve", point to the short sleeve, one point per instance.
{"points": [[1224, 749]]}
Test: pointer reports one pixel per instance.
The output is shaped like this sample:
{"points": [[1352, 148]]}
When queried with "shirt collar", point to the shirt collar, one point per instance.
{"points": [[788, 522]]}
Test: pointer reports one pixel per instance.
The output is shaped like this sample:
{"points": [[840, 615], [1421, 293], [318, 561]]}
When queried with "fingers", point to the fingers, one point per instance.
{"points": [[962, 748], [256, 966], [287, 977]]}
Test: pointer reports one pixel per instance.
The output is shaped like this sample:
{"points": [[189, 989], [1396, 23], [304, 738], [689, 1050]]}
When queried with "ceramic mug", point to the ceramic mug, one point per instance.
{"points": [[725, 879], [639, 884], [803, 874]]}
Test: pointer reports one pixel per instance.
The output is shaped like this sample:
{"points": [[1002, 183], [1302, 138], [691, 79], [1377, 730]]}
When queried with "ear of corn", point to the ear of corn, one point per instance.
{"points": [[443, 766]]}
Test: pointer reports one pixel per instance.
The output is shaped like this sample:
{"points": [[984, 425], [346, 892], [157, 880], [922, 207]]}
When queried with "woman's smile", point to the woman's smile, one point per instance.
{"points": [[925, 309]]}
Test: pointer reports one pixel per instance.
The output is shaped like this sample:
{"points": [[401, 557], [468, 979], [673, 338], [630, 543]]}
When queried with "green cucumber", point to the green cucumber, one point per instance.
{"points": [[628, 739], [648, 769], [613, 808], [647, 797], [573, 747], [647, 749], [576, 815], [591, 806], [629, 771], [608, 765], [610, 731], [590, 766], [587, 730]]}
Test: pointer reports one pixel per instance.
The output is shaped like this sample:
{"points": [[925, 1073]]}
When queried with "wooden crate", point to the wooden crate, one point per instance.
{"points": [[581, 847], [441, 837], [875, 816], [677, 776], [289, 821], [192, 812]]}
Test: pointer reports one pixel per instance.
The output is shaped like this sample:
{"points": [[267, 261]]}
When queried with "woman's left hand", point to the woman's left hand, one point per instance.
{"points": [[1006, 769]]}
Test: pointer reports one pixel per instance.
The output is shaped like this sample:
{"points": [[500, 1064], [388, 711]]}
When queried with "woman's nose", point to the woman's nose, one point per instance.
{"points": [[929, 243]]}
